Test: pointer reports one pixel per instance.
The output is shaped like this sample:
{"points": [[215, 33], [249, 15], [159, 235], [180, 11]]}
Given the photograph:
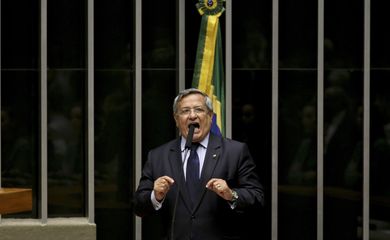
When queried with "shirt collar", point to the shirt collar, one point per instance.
{"points": [[204, 143]]}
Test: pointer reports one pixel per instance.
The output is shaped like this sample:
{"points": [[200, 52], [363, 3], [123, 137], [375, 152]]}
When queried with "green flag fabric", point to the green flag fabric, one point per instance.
{"points": [[209, 74]]}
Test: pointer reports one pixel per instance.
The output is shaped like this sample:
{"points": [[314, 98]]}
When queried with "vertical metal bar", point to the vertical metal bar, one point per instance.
{"points": [[228, 69], [90, 109], [43, 102], [0, 96], [320, 120], [275, 105], [366, 122], [0, 100], [181, 44], [138, 103]]}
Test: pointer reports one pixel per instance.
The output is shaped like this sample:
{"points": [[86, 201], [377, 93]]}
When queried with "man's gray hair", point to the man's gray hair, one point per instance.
{"points": [[189, 91]]}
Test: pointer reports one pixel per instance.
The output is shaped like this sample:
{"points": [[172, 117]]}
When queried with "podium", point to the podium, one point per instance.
{"points": [[15, 200]]}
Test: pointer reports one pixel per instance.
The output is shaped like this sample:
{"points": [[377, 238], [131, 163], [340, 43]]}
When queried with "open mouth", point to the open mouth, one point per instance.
{"points": [[194, 124]]}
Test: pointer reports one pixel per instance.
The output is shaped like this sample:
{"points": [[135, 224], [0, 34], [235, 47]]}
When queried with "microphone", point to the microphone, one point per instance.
{"points": [[190, 135], [191, 129]]}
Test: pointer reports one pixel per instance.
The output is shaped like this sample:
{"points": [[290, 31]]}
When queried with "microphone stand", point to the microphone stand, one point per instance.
{"points": [[187, 149]]}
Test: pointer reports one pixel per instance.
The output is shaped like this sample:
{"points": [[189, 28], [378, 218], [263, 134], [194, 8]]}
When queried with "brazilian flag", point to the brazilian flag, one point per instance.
{"points": [[209, 72]]}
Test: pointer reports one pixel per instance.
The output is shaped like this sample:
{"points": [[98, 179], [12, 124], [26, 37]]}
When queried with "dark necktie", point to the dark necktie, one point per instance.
{"points": [[192, 173]]}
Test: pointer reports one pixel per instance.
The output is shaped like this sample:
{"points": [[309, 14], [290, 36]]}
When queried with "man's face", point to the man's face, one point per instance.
{"points": [[192, 109]]}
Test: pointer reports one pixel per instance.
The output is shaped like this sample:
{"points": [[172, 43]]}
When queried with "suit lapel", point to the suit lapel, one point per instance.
{"points": [[210, 161]]}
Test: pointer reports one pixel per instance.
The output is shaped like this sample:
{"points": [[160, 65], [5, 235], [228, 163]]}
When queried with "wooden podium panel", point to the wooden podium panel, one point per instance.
{"points": [[14, 200]]}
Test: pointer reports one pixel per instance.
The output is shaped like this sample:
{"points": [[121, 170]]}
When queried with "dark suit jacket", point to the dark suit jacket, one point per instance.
{"points": [[212, 216]]}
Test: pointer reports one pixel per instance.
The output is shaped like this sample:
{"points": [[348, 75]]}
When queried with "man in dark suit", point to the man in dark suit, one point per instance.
{"points": [[226, 184]]}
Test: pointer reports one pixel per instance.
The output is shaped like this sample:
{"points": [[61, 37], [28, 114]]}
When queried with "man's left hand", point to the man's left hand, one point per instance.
{"points": [[220, 187]]}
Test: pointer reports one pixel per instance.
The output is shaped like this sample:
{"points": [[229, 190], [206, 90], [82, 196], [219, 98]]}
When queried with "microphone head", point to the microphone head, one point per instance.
{"points": [[191, 127], [194, 125]]}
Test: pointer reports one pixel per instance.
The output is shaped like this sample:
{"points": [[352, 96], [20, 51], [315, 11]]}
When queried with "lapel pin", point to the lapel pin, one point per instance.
{"points": [[215, 155]]}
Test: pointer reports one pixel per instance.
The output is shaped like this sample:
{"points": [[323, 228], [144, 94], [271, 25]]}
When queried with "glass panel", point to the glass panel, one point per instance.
{"points": [[19, 98], [158, 126], [251, 97], [66, 108], [158, 86], [297, 151], [343, 97], [114, 153], [298, 33], [19, 133], [19, 34], [343, 138], [114, 34], [380, 155], [66, 143], [66, 33], [380, 38], [192, 26], [158, 34], [344, 33], [379, 125], [114, 118], [251, 113], [251, 36]]}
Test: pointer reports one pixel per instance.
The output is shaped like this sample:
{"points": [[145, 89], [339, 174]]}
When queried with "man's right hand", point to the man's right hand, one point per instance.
{"points": [[162, 186]]}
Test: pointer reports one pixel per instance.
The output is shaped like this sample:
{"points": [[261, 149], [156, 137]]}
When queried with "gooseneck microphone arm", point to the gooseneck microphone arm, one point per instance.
{"points": [[191, 129]]}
